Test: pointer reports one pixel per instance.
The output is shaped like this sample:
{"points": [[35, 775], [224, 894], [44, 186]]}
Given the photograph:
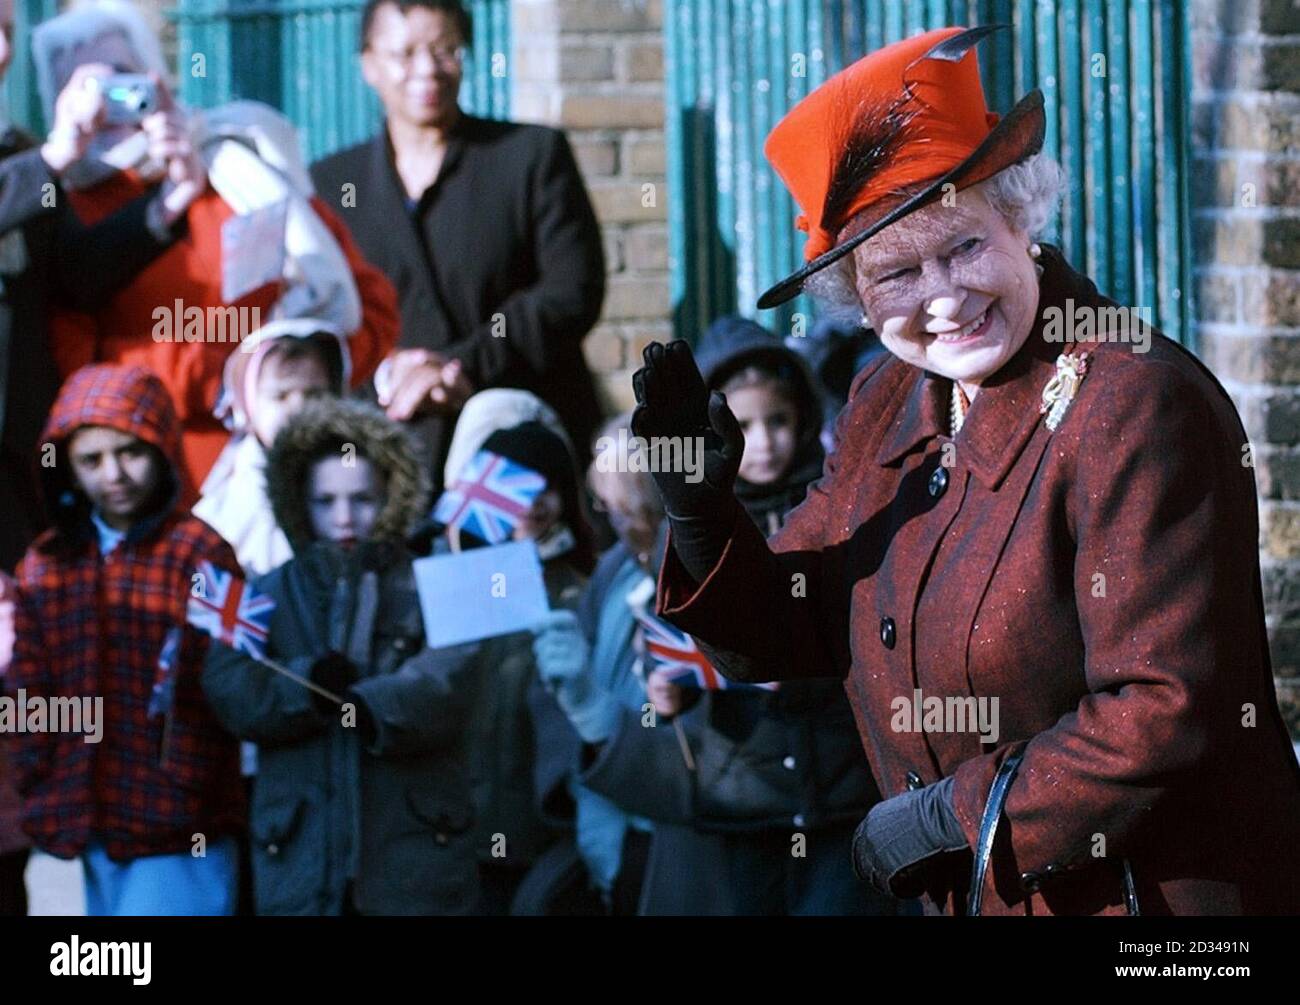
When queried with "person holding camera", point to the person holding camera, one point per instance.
{"points": [[46, 254], [261, 247]]}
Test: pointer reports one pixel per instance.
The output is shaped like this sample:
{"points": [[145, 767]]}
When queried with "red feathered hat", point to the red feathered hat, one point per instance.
{"points": [[886, 135]]}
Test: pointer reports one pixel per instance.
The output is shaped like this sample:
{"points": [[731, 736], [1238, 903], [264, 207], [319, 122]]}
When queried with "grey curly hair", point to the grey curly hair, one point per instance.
{"points": [[1026, 194]]}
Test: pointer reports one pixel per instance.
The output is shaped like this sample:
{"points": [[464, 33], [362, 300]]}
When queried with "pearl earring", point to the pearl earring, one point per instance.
{"points": [[1035, 250]]}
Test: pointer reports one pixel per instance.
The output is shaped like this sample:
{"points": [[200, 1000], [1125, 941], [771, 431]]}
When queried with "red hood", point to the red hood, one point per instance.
{"points": [[129, 399]]}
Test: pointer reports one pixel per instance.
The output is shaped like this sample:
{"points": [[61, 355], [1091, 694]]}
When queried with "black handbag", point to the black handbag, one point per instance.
{"points": [[988, 832]]}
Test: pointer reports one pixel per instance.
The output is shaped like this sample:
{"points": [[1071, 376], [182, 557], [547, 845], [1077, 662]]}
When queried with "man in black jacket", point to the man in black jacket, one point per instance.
{"points": [[484, 227]]}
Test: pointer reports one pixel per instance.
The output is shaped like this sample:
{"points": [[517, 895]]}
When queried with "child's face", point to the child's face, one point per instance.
{"points": [[118, 472], [283, 387], [635, 523], [541, 516], [344, 499], [769, 421]]}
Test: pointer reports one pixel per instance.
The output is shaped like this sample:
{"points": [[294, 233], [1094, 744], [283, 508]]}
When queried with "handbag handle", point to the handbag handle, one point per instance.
{"points": [[988, 832]]}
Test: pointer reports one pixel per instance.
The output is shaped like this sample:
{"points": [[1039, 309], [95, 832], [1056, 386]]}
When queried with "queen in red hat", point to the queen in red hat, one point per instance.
{"points": [[1032, 557]]}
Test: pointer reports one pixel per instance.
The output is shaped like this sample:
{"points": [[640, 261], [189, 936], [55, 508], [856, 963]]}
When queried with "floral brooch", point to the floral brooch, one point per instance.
{"points": [[1062, 387]]}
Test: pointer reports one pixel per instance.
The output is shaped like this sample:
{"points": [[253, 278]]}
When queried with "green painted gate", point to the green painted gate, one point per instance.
{"points": [[21, 98], [301, 57], [1114, 74]]}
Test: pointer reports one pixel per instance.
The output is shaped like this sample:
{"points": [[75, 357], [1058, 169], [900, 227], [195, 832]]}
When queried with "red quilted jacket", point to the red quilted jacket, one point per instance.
{"points": [[90, 625]]}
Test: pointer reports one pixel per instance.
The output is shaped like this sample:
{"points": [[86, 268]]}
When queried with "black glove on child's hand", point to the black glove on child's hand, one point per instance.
{"points": [[334, 672], [673, 401], [897, 840]]}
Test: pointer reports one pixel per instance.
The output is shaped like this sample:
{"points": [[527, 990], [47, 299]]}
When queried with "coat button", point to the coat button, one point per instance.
{"points": [[1030, 882], [788, 764], [914, 781], [887, 632], [273, 849], [939, 482], [798, 820], [440, 838]]}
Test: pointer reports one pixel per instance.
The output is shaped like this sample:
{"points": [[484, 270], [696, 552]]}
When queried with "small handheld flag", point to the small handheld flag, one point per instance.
{"points": [[489, 498], [230, 610], [164, 688], [675, 653]]}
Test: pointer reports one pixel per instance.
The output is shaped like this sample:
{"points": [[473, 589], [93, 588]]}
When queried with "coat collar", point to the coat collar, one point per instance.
{"points": [[458, 139], [1005, 413]]}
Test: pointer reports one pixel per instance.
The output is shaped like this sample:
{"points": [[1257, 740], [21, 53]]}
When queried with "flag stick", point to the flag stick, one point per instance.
{"points": [[278, 668], [272, 665], [681, 742]]}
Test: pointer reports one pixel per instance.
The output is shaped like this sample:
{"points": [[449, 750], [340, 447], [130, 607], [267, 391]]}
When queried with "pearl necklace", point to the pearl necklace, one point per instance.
{"points": [[957, 410]]}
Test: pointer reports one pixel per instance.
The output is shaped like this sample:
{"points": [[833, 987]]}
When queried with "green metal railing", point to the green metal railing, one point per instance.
{"points": [[1114, 75], [22, 100], [301, 56]]}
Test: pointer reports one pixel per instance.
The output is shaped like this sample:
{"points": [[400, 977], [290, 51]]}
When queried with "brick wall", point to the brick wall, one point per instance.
{"points": [[595, 69], [1246, 217]]}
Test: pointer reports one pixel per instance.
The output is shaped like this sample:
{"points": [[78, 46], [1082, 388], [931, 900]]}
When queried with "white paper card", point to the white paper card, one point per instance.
{"points": [[480, 593]]}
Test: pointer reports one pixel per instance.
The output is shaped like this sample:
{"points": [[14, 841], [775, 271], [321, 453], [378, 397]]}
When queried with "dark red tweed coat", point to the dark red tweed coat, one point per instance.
{"points": [[90, 625], [1101, 581]]}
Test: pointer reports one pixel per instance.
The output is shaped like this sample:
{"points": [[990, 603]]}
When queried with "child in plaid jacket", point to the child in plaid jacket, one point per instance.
{"points": [[151, 797]]}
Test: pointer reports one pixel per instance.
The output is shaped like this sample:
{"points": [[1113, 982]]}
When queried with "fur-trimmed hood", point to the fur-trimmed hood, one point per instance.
{"points": [[330, 424]]}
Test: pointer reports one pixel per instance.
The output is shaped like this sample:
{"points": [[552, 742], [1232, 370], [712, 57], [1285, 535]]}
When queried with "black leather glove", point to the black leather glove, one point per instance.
{"points": [[334, 672], [902, 837], [672, 400]]}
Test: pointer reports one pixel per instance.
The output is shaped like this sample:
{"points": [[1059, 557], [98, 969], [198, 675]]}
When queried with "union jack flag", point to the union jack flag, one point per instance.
{"points": [[164, 689], [674, 652], [231, 611], [490, 497]]}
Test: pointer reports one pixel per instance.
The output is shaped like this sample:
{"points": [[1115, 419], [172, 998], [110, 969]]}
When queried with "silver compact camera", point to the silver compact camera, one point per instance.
{"points": [[128, 98]]}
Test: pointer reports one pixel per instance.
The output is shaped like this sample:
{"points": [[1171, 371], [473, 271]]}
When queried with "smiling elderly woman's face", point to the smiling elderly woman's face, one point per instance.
{"points": [[951, 289]]}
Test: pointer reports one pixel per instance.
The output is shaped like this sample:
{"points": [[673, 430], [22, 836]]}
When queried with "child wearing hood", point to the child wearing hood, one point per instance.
{"points": [[590, 658], [771, 395], [277, 370], [148, 792], [364, 808], [772, 766], [522, 747]]}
